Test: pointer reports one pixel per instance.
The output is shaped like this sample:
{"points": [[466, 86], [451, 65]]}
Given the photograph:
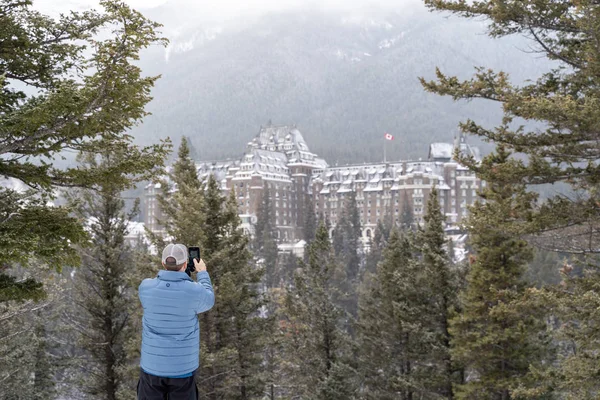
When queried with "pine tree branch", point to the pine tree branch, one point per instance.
{"points": [[551, 52]]}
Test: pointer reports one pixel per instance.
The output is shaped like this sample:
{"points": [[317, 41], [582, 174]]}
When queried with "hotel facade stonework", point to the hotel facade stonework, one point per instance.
{"points": [[279, 159]]}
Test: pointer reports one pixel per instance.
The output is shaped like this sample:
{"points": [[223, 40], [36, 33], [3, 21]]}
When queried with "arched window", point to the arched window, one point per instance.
{"points": [[368, 233]]}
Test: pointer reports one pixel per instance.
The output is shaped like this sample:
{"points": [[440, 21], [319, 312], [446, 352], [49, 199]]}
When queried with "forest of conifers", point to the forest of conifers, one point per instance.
{"points": [[518, 319]]}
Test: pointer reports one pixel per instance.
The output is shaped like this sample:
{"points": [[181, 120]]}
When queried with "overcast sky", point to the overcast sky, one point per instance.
{"points": [[228, 9]]}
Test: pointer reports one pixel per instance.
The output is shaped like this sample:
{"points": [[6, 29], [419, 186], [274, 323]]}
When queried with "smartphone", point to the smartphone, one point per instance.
{"points": [[193, 252]]}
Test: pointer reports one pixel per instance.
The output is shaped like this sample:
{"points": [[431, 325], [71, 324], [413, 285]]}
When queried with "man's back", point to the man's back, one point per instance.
{"points": [[171, 333]]}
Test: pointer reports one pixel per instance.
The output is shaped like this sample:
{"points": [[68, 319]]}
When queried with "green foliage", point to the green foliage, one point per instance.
{"points": [[265, 245], [561, 110], [352, 237], [565, 100], [390, 309], [12, 289], [29, 363], [348, 248], [497, 337], [405, 307], [310, 222], [87, 92], [233, 335], [102, 294], [407, 219], [143, 265], [376, 245], [440, 286], [544, 268], [182, 202], [572, 306], [316, 344]]}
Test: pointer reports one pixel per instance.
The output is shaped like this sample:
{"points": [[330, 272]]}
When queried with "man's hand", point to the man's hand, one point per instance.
{"points": [[199, 265]]}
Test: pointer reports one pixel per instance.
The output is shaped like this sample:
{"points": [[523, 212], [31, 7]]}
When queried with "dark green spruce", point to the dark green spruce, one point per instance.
{"points": [[390, 308], [233, 335], [87, 90], [440, 287], [102, 298], [497, 337], [317, 346]]}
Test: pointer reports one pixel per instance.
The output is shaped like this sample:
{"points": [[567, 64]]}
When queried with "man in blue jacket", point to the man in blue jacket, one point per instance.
{"points": [[170, 328]]}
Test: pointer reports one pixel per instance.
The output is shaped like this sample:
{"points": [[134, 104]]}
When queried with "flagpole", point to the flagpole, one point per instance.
{"points": [[385, 151]]}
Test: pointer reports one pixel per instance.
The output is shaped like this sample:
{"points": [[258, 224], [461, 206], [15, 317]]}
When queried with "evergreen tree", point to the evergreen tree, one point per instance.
{"points": [[544, 269], [310, 222], [316, 343], [354, 234], [265, 244], [347, 248], [181, 201], [391, 308], [87, 92], [44, 385], [572, 308], [563, 100], [27, 364], [495, 337], [232, 345], [376, 245], [102, 294], [144, 265], [441, 285], [339, 240], [346, 238], [238, 326], [407, 219]]}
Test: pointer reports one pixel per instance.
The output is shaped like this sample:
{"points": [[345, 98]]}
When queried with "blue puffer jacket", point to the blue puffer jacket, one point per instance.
{"points": [[171, 332]]}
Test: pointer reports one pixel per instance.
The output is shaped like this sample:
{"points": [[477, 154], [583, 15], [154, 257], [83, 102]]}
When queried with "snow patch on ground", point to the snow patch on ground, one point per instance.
{"points": [[352, 58], [182, 44], [387, 43]]}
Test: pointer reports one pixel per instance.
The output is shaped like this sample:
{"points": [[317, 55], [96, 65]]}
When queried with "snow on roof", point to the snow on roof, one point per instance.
{"points": [[440, 151]]}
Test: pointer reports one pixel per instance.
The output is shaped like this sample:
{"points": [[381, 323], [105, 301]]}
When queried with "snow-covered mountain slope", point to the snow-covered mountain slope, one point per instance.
{"points": [[343, 79]]}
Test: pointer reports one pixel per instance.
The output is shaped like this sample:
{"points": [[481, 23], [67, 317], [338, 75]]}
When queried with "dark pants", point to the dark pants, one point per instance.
{"points": [[152, 387]]}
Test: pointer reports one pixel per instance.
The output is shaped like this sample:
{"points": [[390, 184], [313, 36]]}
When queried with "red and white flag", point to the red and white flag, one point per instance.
{"points": [[389, 136]]}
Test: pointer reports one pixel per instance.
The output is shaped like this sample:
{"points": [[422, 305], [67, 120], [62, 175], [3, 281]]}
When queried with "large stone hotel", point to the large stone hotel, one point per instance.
{"points": [[278, 158]]}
